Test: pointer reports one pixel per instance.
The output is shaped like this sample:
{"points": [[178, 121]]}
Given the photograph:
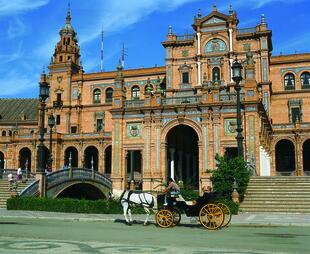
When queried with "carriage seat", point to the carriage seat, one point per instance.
{"points": [[180, 198]]}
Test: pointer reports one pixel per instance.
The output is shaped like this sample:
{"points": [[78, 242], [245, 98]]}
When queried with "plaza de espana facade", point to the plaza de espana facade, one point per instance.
{"points": [[149, 123]]}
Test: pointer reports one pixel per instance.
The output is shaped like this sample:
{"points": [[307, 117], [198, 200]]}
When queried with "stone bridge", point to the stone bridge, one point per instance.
{"points": [[73, 183]]}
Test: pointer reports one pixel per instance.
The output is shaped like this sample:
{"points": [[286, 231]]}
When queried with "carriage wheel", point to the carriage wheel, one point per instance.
{"points": [[176, 217], [227, 214], [164, 218], [211, 216]]}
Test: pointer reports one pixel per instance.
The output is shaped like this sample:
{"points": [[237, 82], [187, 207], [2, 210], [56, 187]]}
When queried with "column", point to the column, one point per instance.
{"points": [[199, 73], [131, 165], [198, 43], [172, 150], [230, 40]]}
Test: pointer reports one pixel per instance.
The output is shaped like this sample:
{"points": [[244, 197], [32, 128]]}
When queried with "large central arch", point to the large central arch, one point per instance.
{"points": [[183, 155]]}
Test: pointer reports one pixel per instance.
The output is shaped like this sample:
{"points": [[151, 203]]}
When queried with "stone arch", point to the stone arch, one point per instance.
{"points": [[306, 157], [25, 158], [2, 158], [182, 153], [71, 151], [108, 160], [91, 157], [285, 157], [176, 122], [81, 190]]}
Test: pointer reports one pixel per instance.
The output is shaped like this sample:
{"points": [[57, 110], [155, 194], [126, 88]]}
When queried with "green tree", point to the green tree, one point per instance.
{"points": [[228, 171]]}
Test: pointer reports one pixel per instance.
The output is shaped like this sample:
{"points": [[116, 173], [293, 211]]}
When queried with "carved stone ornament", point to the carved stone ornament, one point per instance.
{"points": [[59, 79]]}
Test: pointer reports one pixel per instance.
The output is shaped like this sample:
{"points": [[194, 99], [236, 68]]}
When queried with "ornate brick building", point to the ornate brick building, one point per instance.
{"points": [[146, 124]]}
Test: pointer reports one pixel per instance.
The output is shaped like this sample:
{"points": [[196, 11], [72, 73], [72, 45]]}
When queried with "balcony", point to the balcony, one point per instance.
{"points": [[246, 30], [134, 103], [185, 37], [181, 100], [231, 97], [57, 104]]}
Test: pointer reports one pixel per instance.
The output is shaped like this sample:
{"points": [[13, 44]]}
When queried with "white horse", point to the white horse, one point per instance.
{"points": [[130, 198]]}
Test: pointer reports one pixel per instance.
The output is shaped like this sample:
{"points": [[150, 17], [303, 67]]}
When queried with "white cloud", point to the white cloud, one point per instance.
{"points": [[8, 7], [16, 28], [255, 4], [119, 14]]}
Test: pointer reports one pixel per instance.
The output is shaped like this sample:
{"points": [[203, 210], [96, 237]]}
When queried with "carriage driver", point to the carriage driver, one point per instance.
{"points": [[172, 189]]}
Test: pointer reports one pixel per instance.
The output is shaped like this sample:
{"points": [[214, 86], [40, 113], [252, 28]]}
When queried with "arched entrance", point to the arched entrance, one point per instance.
{"points": [[285, 157], [91, 158], [306, 157], [82, 191], [71, 157], [107, 160], [25, 158], [182, 155], [1, 160]]}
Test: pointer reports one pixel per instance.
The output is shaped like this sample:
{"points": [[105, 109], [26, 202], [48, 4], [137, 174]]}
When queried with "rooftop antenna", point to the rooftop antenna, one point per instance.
{"points": [[124, 53], [101, 62]]}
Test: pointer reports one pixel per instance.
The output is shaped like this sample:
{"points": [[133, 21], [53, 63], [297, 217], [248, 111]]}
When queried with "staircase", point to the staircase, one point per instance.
{"points": [[282, 194], [5, 193]]}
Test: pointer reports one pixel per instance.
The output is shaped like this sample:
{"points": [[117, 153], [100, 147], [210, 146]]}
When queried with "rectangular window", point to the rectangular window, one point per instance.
{"points": [[58, 120], [59, 97], [99, 125], [185, 78], [73, 129], [296, 115]]}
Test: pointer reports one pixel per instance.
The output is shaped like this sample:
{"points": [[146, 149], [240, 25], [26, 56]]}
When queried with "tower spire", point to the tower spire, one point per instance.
{"points": [[68, 18], [214, 7]]}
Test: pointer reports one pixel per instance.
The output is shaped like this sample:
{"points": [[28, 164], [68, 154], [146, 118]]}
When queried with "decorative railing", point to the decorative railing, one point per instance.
{"points": [[283, 126], [31, 190], [66, 175], [231, 97], [57, 104], [246, 30], [134, 103], [185, 37], [181, 100]]}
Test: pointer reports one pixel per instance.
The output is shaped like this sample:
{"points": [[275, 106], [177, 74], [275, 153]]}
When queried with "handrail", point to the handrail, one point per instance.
{"points": [[181, 100], [246, 30]]}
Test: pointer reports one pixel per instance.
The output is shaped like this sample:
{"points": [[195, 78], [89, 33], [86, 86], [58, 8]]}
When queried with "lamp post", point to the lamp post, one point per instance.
{"points": [[51, 124], [44, 94], [237, 77]]}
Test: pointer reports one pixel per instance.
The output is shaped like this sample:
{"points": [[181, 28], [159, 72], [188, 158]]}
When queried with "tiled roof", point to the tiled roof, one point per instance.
{"points": [[18, 110]]}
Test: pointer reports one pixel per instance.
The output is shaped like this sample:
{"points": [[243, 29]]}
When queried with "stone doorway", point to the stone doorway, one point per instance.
{"points": [[91, 158], [285, 158], [71, 157], [134, 168], [25, 158], [306, 157], [183, 155]]}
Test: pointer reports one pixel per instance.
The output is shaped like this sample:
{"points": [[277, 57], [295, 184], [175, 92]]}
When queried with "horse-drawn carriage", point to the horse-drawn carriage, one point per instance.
{"points": [[212, 215]]}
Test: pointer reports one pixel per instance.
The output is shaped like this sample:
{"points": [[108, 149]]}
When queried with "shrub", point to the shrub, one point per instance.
{"points": [[229, 170], [67, 205]]}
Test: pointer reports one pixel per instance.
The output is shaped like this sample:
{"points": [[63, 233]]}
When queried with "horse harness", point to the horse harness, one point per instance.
{"points": [[126, 197]]}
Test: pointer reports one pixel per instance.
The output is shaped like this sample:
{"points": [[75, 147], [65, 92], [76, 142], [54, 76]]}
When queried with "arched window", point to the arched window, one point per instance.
{"points": [[10, 133], [135, 93], [305, 79], [108, 95], [3, 133], [216, 75], [97, 96], [215, 45], [289, 81]]}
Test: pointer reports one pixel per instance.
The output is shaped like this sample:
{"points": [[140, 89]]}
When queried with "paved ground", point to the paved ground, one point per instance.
{"points": [[40, 232]]}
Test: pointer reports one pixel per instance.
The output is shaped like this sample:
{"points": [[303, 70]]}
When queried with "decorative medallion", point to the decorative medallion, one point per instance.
{"points": [[215, 45], [184, 53], [134, 130], [59, 79], [230, 126]]}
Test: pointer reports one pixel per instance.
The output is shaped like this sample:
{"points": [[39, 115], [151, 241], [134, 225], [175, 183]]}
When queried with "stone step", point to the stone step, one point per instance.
{"points": [[275, 210]]}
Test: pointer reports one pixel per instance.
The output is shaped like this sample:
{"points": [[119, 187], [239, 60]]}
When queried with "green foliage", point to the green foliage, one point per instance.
{"points": [[67, 205], [189, 194], [228, 171]]}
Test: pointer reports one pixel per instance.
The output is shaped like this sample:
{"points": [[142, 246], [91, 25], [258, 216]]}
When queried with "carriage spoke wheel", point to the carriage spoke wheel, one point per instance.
{"points": [[164, 218], [211, 216], [227, 214], [176, 217]]}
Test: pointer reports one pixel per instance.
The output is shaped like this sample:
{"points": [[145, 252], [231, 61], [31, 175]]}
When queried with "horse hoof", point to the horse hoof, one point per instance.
{"points": [[129, 223], [146, 224]]}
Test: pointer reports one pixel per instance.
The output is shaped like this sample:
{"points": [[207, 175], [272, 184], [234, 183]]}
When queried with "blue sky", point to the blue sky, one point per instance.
{"points": [[29, 32]]}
